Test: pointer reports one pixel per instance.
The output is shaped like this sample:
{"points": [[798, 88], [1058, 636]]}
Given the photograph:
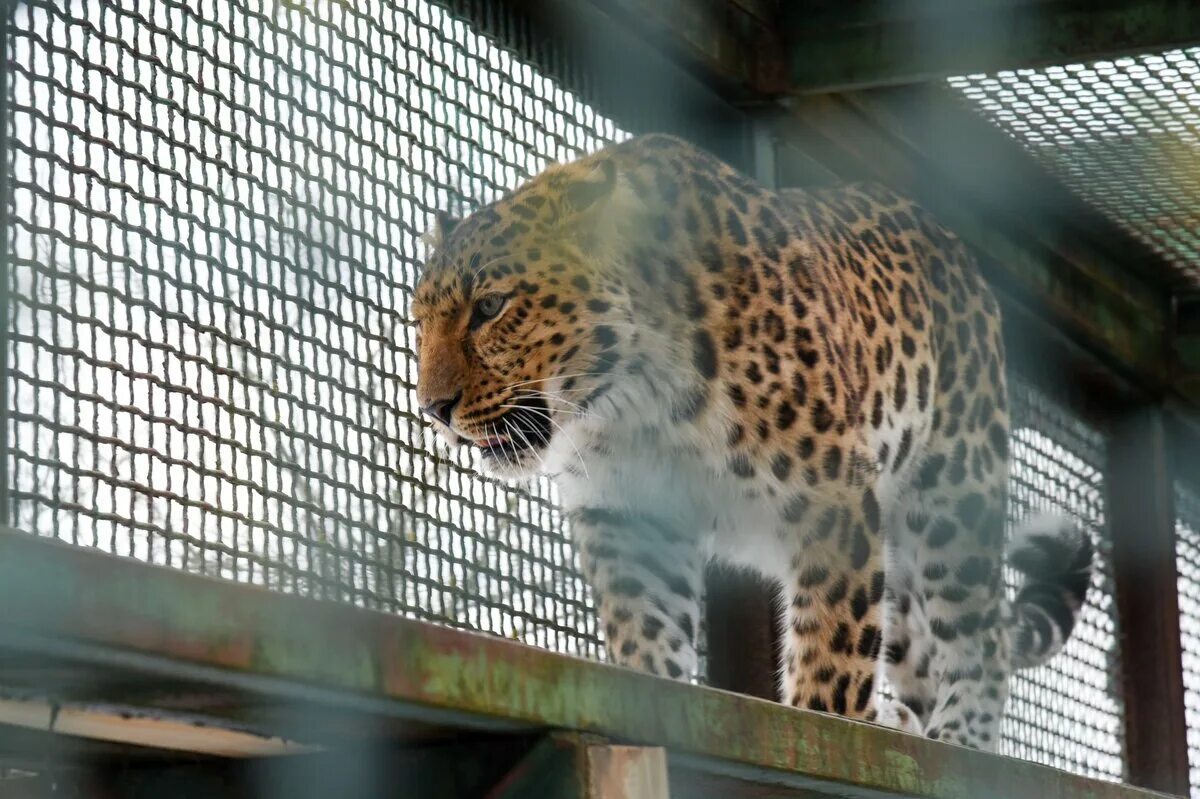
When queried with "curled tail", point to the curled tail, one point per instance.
{"points": [[1055, 557]]}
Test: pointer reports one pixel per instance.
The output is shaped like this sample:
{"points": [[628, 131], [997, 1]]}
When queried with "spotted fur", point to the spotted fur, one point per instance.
{"points": [[807, 383]]}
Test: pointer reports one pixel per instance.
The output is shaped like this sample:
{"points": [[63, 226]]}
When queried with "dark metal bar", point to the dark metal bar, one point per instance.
{"points": [[5, 277], [1185, 343], [1142, 520], [372, 770], [882, 43]]}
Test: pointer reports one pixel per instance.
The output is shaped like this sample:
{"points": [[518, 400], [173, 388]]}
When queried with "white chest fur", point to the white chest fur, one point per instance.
{"points": [[687, 487]]}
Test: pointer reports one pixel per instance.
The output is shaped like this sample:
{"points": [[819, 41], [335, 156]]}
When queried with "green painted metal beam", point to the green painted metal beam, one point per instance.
{"points": [[62, 600], [871, 44]]}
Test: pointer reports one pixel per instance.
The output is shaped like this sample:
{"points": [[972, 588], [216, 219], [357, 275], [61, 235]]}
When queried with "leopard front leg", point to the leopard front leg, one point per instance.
{"points": [[646, 579], [834, 619]]}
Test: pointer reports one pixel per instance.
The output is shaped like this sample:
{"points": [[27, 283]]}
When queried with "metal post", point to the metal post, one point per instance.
{"points": [[1142, 520], [5, 277]]}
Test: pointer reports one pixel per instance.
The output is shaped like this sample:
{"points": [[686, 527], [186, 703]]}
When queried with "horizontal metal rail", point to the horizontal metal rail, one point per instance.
{"points": [[110, 614]]}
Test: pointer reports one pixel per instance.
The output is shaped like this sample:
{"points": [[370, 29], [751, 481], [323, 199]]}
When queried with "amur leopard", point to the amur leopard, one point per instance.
{"points": [[810, 384]]}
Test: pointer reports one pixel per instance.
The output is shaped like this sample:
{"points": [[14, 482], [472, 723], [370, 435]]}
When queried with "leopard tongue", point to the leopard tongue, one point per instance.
{"points": [[487, 443]]}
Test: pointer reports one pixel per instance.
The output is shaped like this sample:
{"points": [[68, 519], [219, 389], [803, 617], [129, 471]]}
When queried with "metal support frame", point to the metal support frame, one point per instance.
{"points": [[835, 46], [1142, 522], [759, 49], [338, 671], [1185, 340], [555, 766], [5, 276]]}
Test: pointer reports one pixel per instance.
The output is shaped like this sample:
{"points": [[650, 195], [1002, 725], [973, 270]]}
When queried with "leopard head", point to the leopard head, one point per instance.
{"points": [[522, 315]]}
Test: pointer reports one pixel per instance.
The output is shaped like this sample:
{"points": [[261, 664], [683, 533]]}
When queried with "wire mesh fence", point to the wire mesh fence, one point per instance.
{"points": [[1067, 713], [1124, 134], [1187, 562], [213, 231]]}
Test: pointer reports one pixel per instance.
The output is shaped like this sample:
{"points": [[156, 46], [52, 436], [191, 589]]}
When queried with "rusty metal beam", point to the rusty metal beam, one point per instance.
{"points": [[59, 600], [842, 46]]}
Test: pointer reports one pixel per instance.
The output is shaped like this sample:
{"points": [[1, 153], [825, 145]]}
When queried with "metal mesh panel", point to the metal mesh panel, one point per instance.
{"points": [[1124, 134], [1187, 562], [213, 233], [1067, 713]]}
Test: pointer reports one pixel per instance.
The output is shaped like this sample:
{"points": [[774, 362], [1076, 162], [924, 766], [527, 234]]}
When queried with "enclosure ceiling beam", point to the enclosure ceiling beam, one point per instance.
{"points": [[731, 44], [837, 46], [97, 609], [759, 49]]}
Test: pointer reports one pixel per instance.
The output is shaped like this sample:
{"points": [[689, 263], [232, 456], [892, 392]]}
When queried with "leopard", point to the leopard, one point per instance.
{"points": [[809, 384]]}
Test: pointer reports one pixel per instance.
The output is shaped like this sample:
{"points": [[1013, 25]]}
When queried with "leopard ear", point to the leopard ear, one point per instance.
{"points": [[443, 225], [589, 192]]}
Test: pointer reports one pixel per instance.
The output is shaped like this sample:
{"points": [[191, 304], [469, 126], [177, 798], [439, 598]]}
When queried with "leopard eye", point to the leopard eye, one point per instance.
{"points": [[487, 307]]}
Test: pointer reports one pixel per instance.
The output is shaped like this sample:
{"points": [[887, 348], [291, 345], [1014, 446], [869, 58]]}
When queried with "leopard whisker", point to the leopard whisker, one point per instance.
{"points": [[566, 435], [526, 408]]}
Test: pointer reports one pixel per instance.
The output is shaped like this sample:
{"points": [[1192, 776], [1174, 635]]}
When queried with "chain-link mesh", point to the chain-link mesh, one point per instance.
{"points": [[1124, 134], [1068, 713], [213, 233], [1187, 562]]}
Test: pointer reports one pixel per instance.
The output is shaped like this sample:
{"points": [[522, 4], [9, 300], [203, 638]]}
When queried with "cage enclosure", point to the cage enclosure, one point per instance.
{"points": [[212, 229]]}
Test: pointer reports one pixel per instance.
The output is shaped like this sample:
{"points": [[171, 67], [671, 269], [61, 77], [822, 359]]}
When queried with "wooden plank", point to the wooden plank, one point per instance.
{"points": [[626, 772], [141, 727], [870, 44], [1142, 522], [63, 601]]}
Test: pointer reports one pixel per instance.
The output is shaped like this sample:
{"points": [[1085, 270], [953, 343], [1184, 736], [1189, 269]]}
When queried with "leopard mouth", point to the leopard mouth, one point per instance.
{"points": [[523, 430]]}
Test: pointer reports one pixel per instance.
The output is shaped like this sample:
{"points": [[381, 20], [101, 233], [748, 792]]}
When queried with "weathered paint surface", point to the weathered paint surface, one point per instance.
{"points": [[123, 607]]}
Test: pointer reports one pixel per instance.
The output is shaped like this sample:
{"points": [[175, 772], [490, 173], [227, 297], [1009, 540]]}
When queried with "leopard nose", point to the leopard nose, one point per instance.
{"points": [[442, 409]]}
